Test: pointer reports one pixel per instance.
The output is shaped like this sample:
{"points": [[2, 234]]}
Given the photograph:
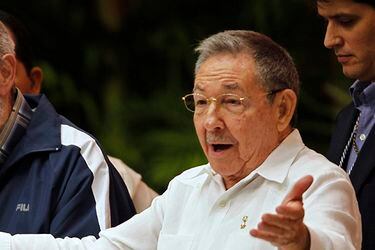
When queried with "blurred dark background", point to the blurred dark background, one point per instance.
{"points": [[118, 69]]}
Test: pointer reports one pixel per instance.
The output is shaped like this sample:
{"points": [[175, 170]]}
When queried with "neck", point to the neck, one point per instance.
{"points": [[6, 104], [230, 181], [284, 134]]}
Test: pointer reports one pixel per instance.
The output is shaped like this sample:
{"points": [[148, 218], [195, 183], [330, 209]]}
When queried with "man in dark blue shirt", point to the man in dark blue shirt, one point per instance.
{"points": [[350, 33]]}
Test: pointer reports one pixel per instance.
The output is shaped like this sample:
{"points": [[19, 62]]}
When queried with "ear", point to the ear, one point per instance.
{"points": [[7, 73], [285, 103], [36, 76]]}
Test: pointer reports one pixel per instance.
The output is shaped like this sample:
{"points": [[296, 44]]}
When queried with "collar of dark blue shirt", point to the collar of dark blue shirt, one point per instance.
{"points": [[363, 93], [15, 127]]}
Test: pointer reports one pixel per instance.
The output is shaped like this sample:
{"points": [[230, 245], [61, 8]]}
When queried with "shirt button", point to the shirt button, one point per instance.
{"points": [[222, 204], [362, 137]]}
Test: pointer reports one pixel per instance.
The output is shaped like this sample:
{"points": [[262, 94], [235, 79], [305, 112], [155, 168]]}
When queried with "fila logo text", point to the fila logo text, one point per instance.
{"points": [[23, 207]]}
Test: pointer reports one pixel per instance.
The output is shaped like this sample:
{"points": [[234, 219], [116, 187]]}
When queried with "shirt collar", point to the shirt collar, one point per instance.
{"points": [[15, 127], [205, 170], [363, 93], [277, 165]]}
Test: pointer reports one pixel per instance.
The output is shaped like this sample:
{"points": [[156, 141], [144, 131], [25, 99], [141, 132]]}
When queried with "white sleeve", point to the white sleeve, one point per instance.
{"points": [[331, 214], [44, 242], [140, 232]]}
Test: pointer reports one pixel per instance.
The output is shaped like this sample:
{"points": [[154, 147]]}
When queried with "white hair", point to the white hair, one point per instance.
{"points": [[6, 43]]}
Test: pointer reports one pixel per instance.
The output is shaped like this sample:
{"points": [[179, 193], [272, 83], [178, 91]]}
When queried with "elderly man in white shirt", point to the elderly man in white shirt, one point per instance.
{"points": [[262, 188]]}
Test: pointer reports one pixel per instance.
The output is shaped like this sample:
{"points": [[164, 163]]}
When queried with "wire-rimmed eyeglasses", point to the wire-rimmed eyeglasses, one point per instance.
{"points": [[199, 103]]}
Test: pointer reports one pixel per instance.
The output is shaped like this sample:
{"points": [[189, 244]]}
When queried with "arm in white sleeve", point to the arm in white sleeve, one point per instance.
{"points": [[331, 226], [44, 242], [140, 232]]}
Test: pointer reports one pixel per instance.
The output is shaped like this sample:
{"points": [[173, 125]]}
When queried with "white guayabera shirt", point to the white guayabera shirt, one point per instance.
{"points": [[196, 212]]}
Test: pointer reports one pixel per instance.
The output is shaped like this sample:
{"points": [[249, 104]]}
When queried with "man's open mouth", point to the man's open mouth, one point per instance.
{"points": [[221, 147]]}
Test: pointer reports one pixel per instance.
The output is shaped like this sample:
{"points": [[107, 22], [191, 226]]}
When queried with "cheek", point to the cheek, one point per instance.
{"points": [[248, 136], [254, 134], [369, 49], [245, 131], [363, 43], [200, 131]]}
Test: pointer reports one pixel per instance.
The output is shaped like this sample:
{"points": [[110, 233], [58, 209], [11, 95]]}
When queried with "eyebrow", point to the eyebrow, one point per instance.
{"points": [[231, 85], [226, 85], [197, 87]]}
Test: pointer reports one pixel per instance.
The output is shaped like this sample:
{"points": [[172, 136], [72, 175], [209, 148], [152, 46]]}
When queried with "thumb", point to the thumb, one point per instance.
{"points": [[298, 189]]}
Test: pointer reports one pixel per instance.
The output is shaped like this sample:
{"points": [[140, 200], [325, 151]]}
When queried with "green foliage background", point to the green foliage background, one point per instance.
{"points": [[118, 69]]}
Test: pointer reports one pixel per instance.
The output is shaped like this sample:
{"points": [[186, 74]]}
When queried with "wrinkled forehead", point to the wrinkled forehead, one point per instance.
{"points": [[226, 72]]}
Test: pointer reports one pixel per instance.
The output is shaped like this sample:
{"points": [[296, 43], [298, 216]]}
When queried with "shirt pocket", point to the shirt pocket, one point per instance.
{"points": [[173, 241], [244, 241]]}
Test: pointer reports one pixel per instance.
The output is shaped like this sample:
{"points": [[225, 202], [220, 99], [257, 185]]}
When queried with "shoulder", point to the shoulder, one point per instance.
{"points": [[183, 186], [72, 135], [309, 162], [193, 172], [192, 177], [331, 189], [329, 179]]}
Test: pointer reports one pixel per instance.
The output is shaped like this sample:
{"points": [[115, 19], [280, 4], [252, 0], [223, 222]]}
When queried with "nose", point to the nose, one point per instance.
{"points": [[212, 118], [332, 38]]}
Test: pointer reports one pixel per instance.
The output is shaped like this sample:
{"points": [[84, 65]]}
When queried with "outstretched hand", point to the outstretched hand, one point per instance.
{"points": [[286, 229]]}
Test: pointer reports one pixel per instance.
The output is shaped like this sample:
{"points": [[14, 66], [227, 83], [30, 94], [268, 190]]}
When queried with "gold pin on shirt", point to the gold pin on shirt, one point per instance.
{"points": [[244, 221]]}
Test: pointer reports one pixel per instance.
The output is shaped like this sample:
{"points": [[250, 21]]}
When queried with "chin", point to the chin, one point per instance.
{"points": [[355, 71], [220, 167], [352, 74]]}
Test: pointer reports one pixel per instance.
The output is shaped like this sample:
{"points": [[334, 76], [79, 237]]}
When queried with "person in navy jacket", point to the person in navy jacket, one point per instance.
{"points": [[29, 80], [54, 177], [350, 33]]}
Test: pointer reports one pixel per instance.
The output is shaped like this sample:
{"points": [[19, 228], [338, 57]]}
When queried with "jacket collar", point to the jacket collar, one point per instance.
{"points": [[15, 127], [42, 134], [365, 162], [344, 127]]}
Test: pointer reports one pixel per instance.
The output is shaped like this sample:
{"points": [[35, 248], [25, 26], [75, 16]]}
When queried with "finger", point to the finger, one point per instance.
{"points": [[263, 235], [278, 221], [294, 210], [298, 189], [274, 239], [272, 228], [263, 226]]}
